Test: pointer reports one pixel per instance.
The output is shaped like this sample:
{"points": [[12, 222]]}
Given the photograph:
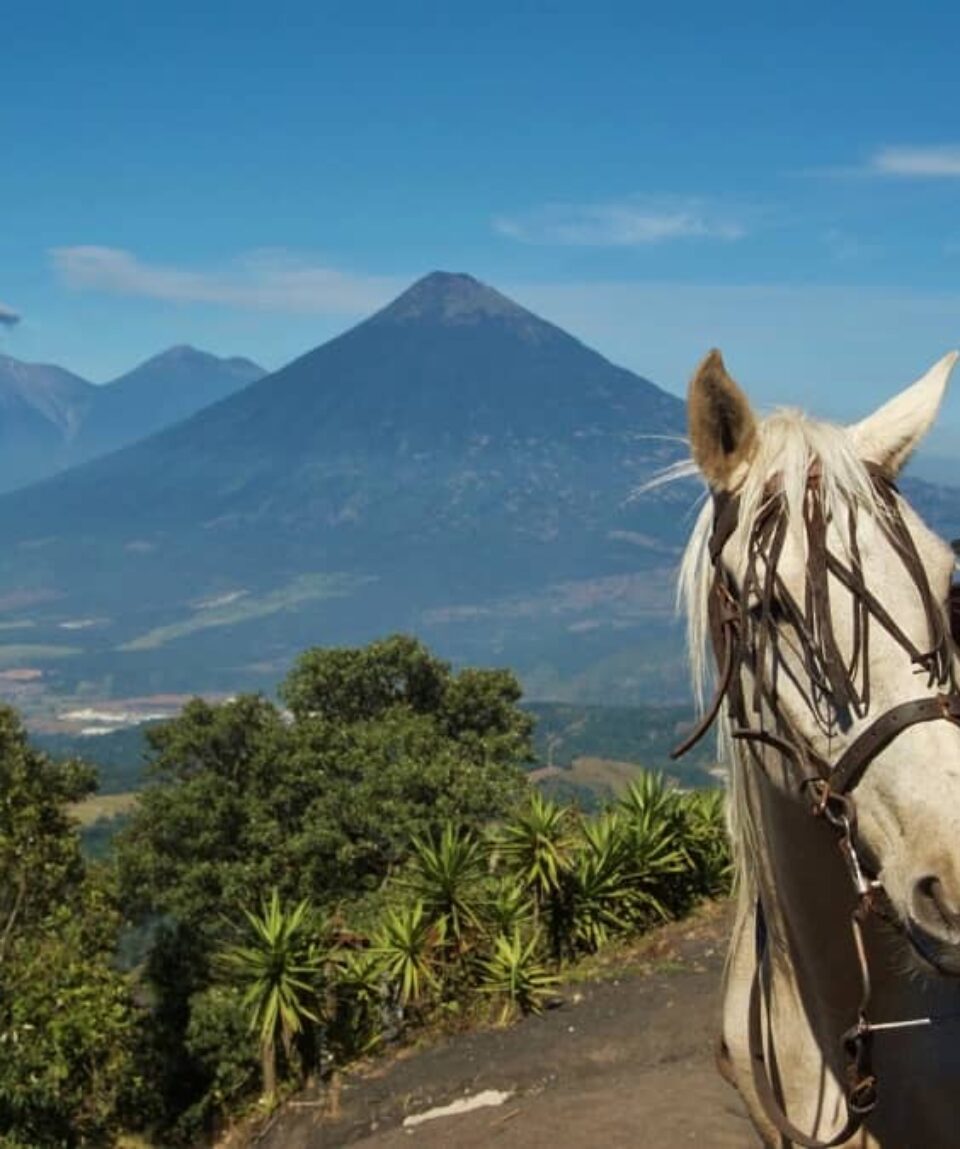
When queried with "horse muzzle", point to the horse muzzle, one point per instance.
{"points": [[933, 925]]}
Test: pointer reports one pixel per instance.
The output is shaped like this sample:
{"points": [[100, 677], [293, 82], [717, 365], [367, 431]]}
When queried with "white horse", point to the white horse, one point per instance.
{"points": [[825, 600]]}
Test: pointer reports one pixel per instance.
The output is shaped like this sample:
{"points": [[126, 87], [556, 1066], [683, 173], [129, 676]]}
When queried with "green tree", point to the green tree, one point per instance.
{"points": [[385, 744], [40, 856], [380, 745], [68, 1028], [357, 684], [281, 967]]}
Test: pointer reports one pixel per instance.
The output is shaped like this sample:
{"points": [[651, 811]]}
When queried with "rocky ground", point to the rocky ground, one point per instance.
{"points": [[626, 1059]]}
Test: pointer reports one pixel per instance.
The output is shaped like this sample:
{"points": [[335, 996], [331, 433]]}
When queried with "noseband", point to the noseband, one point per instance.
{"points": [[745, 623]]}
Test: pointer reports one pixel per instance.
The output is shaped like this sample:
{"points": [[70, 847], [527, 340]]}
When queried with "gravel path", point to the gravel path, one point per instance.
{"points": [[624, 1061]]}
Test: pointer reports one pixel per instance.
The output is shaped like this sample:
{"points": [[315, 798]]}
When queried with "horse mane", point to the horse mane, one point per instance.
{"points": [[787, 446]]}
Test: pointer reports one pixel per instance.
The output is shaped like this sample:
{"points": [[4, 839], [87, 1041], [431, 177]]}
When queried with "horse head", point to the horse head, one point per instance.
{"points": [[838, 597]]}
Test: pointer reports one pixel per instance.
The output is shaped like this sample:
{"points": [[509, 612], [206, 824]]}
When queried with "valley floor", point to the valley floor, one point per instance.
{"points": [[625, 1061]]}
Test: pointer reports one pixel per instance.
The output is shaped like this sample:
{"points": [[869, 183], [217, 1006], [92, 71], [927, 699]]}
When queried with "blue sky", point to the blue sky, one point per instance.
{"points": [[781, 180]]}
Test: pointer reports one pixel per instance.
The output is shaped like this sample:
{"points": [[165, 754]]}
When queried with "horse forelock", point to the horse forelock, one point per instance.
{"points": [[788, 445]]}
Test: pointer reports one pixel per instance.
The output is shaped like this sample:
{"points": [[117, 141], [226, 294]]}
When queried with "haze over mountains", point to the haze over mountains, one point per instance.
{"points": [[51, 419], [453, 466]]}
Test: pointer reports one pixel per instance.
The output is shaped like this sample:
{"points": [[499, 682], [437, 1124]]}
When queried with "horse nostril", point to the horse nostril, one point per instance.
{"points": [[932, 907]]}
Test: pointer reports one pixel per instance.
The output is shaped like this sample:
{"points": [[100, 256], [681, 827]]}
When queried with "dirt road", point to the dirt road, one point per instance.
{"points": [[624, 1062]]}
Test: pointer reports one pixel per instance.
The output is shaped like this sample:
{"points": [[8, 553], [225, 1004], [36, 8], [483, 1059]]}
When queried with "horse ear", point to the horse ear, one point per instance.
{"points": [[723, 431], [889, 436]]}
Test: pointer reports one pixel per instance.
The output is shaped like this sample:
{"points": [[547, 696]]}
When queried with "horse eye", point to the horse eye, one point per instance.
{"points": [[775, 611]]}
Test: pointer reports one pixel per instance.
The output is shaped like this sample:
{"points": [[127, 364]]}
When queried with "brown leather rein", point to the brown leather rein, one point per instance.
{"points": [[745, 624]]}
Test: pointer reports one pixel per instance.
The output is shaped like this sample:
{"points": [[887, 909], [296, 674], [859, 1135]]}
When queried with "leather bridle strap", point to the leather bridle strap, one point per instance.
{"points": [[882, 731], [742, 621], [771, 1104]]}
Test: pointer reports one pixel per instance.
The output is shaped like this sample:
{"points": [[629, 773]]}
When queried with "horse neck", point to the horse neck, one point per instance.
{"points": [[807, 898], [816, 981]]}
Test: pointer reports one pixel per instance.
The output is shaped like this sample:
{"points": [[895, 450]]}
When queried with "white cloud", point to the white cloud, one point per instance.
{"points": [[938, 162], [8, 317], [267, 280], [627, 224]]}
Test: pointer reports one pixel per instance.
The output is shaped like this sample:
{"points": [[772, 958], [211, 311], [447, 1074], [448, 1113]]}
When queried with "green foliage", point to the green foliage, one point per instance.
{"points": [[508, 906], [534, 845], [408, 944], [383, 745], [655, 827], [355, 1009], [281, 970], [223, 1055], [705, 842], [191, 847], [69, 1031], [516, 972], [371, 800], [360, 684], [600, 896], [386, 744], [40, 858], [445, 873]]}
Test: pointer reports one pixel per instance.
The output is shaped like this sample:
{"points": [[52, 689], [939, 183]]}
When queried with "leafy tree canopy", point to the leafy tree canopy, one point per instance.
{"points": [[40, 859], [380, 744], [68, 1028]]}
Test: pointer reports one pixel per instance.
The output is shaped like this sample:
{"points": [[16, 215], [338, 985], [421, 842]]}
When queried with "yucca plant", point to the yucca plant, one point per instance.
{"points": [[706, 843], [355, 1002], [280, 966], [534, 846], [651, 800], [599, 886], [408, 944], [445, 874], [659, 866], [515, 972], [507, 906]]}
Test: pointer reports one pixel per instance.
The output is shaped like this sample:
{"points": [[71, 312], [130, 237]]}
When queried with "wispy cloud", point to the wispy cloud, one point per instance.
{"points": [[933, 161], [938, 162], [267, 280], [8, 317], [626, 224]]}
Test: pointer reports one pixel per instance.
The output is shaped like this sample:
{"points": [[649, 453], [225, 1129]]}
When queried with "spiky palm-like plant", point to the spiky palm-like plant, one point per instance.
{"points": [[280, 966], [515, 972], [445, 874], [600, 891], [507, 907], [655, 827], [534, 846], [651, 800], [706, 843], [356, 1002], [408, 944]]}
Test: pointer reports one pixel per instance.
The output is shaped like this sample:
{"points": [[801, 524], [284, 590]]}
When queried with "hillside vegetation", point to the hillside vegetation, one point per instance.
{"points": [[305, 886]]}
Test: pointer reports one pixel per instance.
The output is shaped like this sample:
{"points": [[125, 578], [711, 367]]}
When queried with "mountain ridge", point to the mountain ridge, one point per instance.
{"points": [[52, 419], [450, 453], [473, 481]]}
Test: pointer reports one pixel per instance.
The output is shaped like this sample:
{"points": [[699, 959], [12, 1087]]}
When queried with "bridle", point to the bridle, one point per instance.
{"points": [[746, 621]]}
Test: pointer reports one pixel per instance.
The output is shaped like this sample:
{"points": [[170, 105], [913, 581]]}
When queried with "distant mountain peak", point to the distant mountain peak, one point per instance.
{"points": [[183, 359], [181, 351], [450, 297]]}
